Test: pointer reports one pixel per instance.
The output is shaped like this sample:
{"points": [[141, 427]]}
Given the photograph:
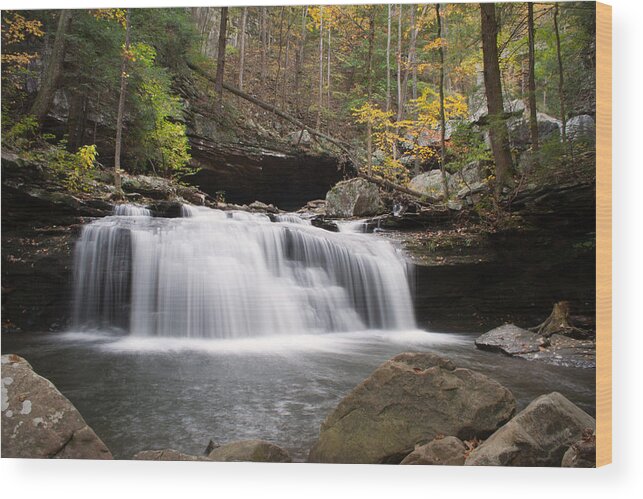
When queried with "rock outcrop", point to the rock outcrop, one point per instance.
{"points": [[447, 451], [38, 421], [258, 451], [354, 198], [409, 400], [538, 435]]}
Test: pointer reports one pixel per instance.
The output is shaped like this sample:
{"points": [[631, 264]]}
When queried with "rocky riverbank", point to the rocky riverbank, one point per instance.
{"points": [[416, 408]]}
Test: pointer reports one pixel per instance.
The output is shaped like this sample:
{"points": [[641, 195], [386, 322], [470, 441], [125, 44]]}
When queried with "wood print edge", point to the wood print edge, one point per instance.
{"points": [[603, 234]]}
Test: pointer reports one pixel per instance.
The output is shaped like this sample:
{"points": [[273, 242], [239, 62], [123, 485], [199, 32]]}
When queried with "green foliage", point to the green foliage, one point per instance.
{"points": [[76, 169], [22, 133], [466, 145]]}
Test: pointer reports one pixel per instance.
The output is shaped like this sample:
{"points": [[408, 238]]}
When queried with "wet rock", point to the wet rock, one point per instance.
{"points": [[558, 350], [38, 421], [581, 454], [258, 451], [262, 207], [166, 209], [510, 339], [151, 187], [411, 398], [354, 198], [166, 455], [566, 352], [447, 451], [538, 435]]}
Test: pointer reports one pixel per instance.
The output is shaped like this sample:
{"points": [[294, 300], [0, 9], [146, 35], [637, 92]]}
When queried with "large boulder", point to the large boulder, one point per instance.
{"points": [[538, 436], [447, 451], [581, 127], [581, 454], [258, 451], [356, 197], [38, 421], [519, 130], [166, 455], [429, 183], [409, 400]]}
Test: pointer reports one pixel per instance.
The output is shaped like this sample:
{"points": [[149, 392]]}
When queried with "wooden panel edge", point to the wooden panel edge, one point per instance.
{"points": [[603, 234]]}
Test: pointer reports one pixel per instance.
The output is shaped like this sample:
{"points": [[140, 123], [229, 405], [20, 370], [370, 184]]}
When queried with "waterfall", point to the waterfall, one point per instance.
{"points": [[233, 274], [131, 210]]}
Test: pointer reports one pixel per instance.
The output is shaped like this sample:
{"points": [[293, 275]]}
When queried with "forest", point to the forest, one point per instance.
{"points": [[401, 88], [310, 233]]}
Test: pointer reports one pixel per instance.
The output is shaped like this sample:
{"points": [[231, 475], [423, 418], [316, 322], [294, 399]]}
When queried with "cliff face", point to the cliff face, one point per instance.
{"points": [[243, 173]]}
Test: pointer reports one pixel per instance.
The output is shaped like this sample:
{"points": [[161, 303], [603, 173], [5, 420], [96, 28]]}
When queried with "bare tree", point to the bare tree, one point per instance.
{"points": [[445, 185], [561, 78], [388, 61], [398, 56], [242, 46], [533, 116], [321, 64], [121, 106], [493, 90], [218, 82]]}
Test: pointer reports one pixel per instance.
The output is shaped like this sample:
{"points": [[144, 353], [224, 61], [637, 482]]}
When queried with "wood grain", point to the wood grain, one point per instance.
{"points": [[603, 234]]}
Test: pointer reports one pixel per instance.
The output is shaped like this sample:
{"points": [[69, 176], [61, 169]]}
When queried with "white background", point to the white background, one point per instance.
{"points": [[98, 480]]}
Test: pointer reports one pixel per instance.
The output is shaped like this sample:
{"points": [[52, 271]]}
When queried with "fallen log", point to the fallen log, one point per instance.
{"points": [[423, 199]]}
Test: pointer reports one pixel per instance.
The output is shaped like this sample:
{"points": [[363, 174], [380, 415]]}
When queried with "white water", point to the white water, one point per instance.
{"points": [[216, 274]]}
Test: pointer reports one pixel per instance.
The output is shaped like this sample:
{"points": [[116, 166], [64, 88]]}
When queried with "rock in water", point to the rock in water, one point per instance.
{"points": [[258, 451], [448, 451], [354, 198], [38, 421], [166, 455], [509, 339], [539, 435], [411, 399]]}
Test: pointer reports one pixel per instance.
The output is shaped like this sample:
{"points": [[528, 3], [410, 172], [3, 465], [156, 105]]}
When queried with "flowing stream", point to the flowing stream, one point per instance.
{"points": [[232, 325]]}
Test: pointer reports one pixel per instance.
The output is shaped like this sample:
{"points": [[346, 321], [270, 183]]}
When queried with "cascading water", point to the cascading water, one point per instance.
{"points": [[218, 274]]}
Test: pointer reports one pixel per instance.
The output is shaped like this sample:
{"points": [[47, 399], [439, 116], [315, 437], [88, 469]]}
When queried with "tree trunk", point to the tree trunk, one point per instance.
{"points": [[398, 56], [264, 42], [443, 149], [299, 61], [493, 90], [328, 49], [369, 86], [279, 53], [52, 72], [533, 116], [218, 80], [559, 322], [321, 65], [388, 60], [561, 80], [242, 46], [121, 106]]}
